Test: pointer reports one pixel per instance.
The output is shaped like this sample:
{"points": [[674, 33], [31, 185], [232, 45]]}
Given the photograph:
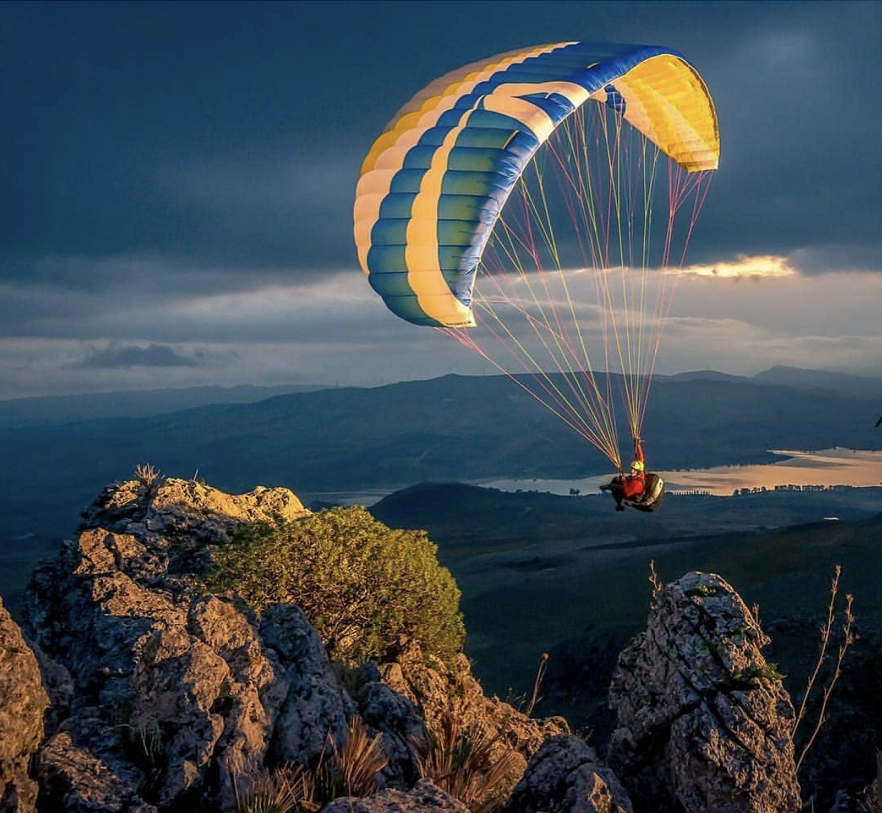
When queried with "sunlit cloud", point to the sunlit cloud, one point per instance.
{"points": [[768, 265], [331, 328], [628, 278]]}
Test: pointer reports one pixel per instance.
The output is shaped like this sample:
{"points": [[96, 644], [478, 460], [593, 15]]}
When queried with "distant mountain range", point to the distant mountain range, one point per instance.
{"points": [[55, 409], [58, 409], [448, 428], [453, 428], [796, 377]]}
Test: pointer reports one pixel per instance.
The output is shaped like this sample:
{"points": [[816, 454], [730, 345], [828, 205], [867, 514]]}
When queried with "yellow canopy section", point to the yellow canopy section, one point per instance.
{"points": [[669, 103]]}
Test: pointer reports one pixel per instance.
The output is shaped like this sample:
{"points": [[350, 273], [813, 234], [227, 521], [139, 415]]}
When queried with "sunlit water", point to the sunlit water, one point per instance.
{"points": [[825, 468]]}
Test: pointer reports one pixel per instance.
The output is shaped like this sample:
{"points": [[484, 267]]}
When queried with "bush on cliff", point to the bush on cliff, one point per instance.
{"points": [[366, 588]]}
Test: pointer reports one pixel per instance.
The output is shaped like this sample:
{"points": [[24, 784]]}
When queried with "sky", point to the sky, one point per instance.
{"points": [[178, 182]]}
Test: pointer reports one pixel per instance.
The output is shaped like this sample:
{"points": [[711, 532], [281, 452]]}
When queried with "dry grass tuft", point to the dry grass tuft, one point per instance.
{"points": [[289, 789], [354, 766], [461, 762], [147, 475], [350, 769]]}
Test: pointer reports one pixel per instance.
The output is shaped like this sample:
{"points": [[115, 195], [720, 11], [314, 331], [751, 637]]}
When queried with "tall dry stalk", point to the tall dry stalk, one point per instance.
{"points": [[826, 633], [848, 638], [537, 684], [655, 581]]}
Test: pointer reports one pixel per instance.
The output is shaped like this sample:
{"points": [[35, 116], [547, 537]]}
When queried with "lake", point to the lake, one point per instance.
{"points": [[825, 468]]}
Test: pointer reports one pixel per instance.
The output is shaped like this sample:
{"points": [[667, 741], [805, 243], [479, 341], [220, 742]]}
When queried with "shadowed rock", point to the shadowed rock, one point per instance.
{"points": [[565, 776], [315, 705], [85, 768], [424, 798], [391, 713], [704, 722]]}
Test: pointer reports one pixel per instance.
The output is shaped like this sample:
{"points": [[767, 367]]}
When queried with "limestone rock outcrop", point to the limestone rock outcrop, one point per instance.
{"points": [[438, 690], [704, 722], [23, 703], [173, 688], [165, 691], [566, 776]]}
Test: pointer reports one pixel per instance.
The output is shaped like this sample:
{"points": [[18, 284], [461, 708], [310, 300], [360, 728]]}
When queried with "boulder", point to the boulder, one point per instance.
{"points": [[392, 714], [173, 688], [437, 691], [565, 776], [89, 766], [315, 705], [703, 721]]}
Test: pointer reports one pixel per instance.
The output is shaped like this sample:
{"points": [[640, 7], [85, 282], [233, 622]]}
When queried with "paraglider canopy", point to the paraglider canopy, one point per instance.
{"points": [[434, 183], [455, 228]]}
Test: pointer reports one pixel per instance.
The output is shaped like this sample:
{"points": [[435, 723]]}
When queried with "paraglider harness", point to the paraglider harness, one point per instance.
{"points": [[653, 494], [650, 498]]}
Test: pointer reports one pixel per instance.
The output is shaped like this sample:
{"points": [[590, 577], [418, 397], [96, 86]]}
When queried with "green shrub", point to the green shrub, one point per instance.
{"points": [[367, 589]]}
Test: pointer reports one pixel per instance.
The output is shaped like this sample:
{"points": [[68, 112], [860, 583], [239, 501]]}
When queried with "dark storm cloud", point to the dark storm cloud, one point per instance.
{"points": [[797, 95], [333, 309], [154, 355], [149, 277], [167, 130], [158, 153]]}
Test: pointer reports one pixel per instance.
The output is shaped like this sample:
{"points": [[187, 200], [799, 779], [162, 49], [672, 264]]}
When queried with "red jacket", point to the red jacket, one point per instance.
{"points": [[634, 484]]}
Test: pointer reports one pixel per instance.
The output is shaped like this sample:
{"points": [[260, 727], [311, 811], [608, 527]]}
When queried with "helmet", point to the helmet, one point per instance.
{"points": [[637, 465]]}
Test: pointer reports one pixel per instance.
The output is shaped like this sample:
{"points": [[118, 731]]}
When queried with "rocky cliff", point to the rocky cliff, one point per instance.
{"points": [[134, 689], [163, 694]]}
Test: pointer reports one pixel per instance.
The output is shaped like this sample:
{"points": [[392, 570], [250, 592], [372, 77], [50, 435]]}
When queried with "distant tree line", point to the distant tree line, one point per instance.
{"points": [[740, 492]]}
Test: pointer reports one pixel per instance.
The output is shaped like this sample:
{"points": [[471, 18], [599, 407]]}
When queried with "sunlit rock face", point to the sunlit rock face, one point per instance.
{"points": [[23, 702], [704, 722], [174, 690]]}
